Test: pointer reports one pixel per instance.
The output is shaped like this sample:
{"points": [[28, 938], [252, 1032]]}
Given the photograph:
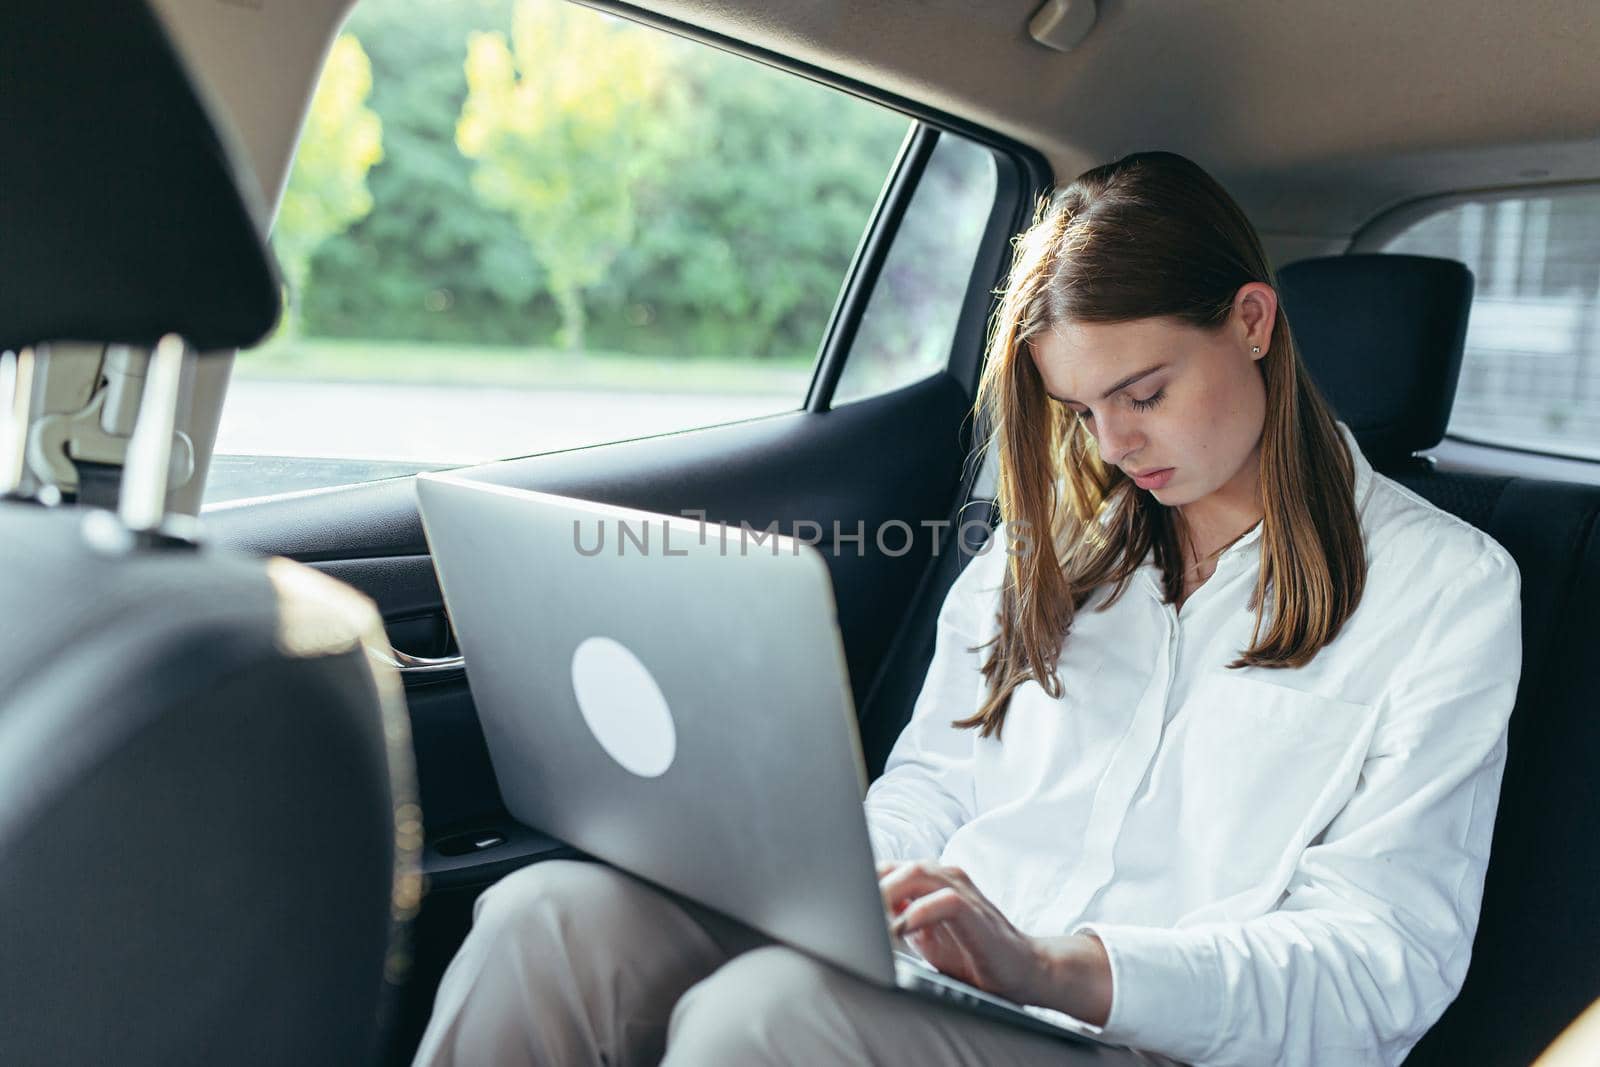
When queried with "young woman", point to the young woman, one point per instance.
{"points": [[1209, 755]]}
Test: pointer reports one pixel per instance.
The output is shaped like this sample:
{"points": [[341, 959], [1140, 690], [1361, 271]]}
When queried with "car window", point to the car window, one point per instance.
{"points": [[911, 318], [518, 227], [1530, 377]]}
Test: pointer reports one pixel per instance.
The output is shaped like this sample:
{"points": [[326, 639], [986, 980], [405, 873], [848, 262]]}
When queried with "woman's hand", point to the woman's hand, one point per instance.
{"points": [[945, 918], [959, 931]]}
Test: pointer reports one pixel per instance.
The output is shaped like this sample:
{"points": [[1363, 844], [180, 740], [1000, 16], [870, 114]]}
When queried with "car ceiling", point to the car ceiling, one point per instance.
{"points": [[1317, 115]]}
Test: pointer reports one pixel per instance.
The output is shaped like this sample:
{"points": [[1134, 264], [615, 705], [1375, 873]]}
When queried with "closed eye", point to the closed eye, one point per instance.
{"points": [[1150, 401], [1138, 404]]}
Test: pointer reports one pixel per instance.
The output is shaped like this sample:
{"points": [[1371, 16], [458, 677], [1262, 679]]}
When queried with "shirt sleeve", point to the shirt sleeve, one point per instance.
{"points": [[1372, 939], [926, 790]]}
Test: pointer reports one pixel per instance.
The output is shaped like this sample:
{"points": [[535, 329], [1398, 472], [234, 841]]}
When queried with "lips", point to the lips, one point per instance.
{"points": [[1153, 479]]}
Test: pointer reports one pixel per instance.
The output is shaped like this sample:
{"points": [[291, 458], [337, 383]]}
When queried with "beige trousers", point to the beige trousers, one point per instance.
{"points": [[572, 963]]}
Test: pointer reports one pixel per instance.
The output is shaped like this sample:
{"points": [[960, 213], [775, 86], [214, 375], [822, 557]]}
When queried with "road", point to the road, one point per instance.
{"points": [[374, 430], [454, 424]]}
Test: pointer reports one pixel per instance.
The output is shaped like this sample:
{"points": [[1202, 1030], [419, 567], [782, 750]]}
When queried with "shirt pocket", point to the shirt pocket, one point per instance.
{"points": [[1262, 769]]}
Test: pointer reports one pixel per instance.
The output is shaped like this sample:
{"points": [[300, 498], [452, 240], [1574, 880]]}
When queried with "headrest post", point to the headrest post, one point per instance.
{"points": [[143, 503], [16, 400]]}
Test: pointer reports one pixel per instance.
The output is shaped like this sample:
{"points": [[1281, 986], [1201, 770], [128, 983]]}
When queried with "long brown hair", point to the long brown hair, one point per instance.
{"points": [[1150, 235]]}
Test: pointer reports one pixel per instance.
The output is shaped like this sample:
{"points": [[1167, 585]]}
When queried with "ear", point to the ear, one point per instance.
{"points": [[1255, 309]]}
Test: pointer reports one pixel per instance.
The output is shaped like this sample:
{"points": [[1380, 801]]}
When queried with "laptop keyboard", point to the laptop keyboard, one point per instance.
{"points": [[930, 979]]}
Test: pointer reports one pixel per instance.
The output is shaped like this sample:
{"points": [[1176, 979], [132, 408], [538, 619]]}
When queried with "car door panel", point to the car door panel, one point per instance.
{"points": [[896, 457]]}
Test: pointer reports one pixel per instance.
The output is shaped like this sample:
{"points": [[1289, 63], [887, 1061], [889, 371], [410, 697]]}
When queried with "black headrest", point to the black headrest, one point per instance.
{"points": [[122, 213], [1382, 336]]}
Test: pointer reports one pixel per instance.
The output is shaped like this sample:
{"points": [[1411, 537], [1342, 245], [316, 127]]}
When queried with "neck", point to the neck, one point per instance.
{"points": [[1225, 514]]}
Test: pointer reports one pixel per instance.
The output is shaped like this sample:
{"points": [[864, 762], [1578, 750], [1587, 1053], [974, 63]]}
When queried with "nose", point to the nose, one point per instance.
{"points": [[1117, 436]]}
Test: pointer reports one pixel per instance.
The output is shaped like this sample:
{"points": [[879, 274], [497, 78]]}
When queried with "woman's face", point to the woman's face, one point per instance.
{"points": [[1179, 408]]}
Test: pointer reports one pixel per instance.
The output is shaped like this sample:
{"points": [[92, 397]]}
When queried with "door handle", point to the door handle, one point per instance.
{"points": [[436, 633], [417, 666]]}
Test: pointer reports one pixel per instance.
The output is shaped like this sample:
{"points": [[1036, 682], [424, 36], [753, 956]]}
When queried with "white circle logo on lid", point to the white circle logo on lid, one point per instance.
{"points": [[623, 707]]}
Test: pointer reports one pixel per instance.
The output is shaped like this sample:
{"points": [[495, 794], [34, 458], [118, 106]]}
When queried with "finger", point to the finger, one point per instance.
{"points": [[936, 945], [931, 945], [941, 905], [910, 881], [920, 876]]}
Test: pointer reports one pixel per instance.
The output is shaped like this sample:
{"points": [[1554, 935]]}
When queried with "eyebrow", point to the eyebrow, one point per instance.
{"points": [[1121, 385]]}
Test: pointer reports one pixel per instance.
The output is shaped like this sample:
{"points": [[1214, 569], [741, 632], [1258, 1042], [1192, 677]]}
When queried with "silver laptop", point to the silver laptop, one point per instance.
{"points": [[671, 697]]}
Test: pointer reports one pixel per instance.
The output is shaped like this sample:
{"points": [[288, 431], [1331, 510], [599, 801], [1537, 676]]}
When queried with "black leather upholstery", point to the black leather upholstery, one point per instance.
{"points": [[122, 213], [197, 824], [1386, 333]]}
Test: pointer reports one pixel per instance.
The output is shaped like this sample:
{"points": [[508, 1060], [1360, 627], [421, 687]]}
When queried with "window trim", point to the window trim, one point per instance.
{"points": [[1009, 213], [1017, 191], [1391, 222], [1484, 457], [861, 277]]}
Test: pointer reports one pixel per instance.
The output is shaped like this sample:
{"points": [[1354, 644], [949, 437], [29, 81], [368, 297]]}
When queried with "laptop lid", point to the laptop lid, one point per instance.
{"points": [[669, 696]]}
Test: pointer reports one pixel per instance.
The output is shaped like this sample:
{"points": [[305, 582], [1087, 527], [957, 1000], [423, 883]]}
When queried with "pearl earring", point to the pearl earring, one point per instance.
{"points": [[1255, 350]]}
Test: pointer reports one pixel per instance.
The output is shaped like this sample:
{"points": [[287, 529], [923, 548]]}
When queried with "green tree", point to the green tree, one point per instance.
{"points": [[430, 262], [751, 188], [747, 236], [327, 189], [562, 121]]}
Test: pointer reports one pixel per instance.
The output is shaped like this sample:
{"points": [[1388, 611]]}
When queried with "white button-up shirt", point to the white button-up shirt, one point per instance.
{"points": [[1284, 866]]}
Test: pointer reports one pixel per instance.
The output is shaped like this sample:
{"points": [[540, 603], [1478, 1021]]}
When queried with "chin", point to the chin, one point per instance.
{"points": [[1175, 496]]}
